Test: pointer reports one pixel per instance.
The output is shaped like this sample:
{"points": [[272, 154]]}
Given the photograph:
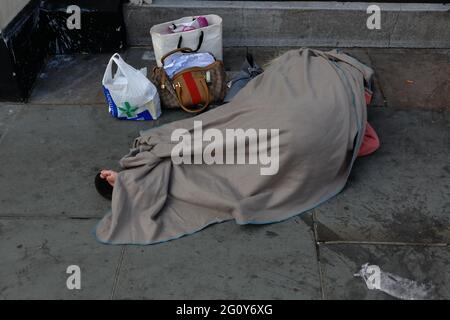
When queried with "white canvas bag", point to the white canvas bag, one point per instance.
{"points": [[206, 39]]}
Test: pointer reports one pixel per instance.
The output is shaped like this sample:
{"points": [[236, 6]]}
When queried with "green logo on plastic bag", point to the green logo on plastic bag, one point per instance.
{"points": [[129, 110]]}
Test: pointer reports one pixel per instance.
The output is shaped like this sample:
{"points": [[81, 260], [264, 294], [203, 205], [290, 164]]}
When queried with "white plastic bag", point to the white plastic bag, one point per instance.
{"points": [[129, 94], [206, 39]]}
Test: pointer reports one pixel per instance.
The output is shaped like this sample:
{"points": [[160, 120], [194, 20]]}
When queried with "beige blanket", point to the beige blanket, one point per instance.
{"points": [[316, 102]]}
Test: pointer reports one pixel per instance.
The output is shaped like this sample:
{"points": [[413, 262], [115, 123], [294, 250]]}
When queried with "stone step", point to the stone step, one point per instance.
{"points": [[404, 78], [294, 23]]}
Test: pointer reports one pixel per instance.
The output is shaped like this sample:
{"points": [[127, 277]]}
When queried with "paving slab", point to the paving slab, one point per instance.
{"points": [[71, 79], [7, 115], [425, 265], [403, 77], [413, 78], [76, 79], [51, 154], [225, 261], [402, 192], [37, 252]]}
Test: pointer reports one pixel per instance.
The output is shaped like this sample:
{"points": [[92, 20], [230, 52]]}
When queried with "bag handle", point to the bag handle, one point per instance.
{"points": [[205, 87], [199, 44], [184, 50], [116, 58]]}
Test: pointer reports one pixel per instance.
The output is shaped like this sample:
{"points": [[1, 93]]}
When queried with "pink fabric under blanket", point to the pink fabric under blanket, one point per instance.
{"points": [[370, 143]]}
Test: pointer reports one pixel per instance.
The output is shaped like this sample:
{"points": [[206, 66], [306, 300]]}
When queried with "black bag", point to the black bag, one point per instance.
{"points": [[249, 70]]}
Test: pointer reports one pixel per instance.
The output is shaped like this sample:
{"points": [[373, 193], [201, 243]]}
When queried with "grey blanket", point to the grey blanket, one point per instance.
{"points": [[316, 102]]}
